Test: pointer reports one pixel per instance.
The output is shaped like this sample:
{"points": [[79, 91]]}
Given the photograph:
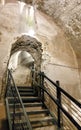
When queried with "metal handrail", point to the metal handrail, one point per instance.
{"points": [[57, 101], [10, 123], [64, 92], [21, 103]]}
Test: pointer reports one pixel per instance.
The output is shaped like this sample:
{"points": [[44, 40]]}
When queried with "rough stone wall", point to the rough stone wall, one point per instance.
{"points": [[22, 71], [7, 37], [32, 46]]}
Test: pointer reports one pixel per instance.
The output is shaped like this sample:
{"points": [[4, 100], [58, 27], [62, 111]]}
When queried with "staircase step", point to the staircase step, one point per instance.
{"points": [[28, 105], [45, 111], [30, 99], [11, 100], [42, 120], [24, 87], [33, 104], [27, 94], [18, 127], [45, 126], [21, 126], [25, 90], [24, 99]]}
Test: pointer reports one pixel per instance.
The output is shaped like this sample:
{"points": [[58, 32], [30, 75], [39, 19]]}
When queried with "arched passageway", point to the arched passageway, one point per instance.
{"points": [[30, 45], [20, 64], [25, 51]]}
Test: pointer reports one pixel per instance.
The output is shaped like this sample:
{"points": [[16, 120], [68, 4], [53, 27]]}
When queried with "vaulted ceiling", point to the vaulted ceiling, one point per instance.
{"points": [[67, 15]]}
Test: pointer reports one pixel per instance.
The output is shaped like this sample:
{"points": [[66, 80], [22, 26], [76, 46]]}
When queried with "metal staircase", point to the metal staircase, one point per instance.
{"points": [[38, 114], [28, 109]]}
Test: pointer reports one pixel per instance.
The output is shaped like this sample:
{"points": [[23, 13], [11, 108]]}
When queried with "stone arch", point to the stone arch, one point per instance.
{"points": [[26, 44], [32, 46]]}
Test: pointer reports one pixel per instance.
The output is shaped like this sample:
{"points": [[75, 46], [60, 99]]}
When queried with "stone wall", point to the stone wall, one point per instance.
{"points": [[60, 63], [66, 13]]}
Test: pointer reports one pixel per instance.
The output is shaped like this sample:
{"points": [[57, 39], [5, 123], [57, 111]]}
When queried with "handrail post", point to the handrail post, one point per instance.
{"points": [[40, 79], [13, 116], [32, 74], [42, 85], [59, 101]]}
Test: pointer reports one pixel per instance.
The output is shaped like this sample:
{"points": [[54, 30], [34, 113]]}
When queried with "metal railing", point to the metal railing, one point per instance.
{"points": [[68, 109], [14, 104]]}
